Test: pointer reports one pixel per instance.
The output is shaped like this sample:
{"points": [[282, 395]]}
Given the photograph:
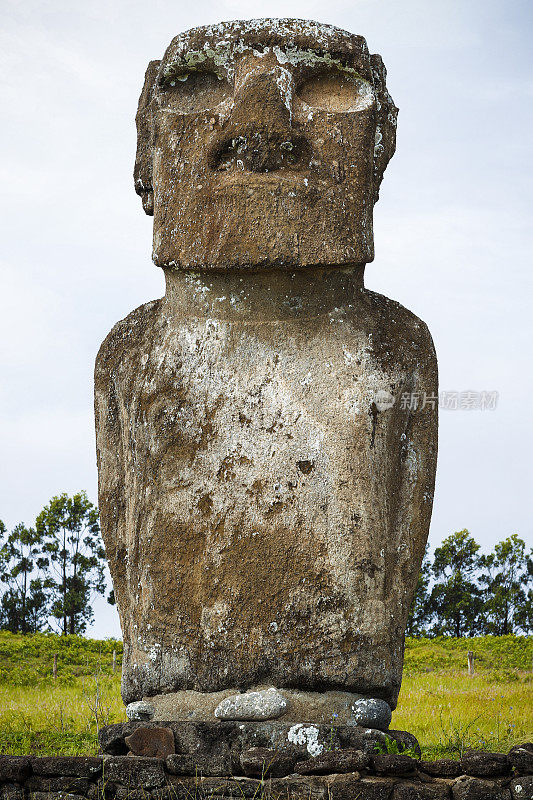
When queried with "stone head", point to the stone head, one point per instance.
{"points": [[262, 144]]}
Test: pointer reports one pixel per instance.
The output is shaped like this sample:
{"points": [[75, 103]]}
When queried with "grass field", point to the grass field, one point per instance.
{"points": [[446, 709]]}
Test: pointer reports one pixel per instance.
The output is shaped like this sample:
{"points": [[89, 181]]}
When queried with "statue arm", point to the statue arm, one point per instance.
{"points": [[110, 454], [416, 467], [117, 366]]}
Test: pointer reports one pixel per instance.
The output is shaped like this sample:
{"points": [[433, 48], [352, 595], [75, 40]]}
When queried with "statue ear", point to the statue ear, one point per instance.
{"points": [[386, 116], [142, 173], [148, 202]]}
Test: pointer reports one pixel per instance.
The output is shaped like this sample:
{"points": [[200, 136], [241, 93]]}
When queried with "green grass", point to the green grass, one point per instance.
{"points": [[498, 654], [28, 660], [450, 711], [43, 715], [446, 709]]}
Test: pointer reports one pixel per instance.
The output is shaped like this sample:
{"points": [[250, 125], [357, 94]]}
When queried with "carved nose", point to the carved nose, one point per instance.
{"points": [[258, 136]]}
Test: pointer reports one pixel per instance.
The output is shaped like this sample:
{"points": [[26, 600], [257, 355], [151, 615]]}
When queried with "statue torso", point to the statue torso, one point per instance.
{"points": [[266, 488]]}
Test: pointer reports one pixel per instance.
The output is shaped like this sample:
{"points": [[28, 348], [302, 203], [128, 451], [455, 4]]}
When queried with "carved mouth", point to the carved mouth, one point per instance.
{"points": [[261, 153]]}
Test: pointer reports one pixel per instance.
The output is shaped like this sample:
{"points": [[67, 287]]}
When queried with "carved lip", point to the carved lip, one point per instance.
{"points": [[239, 177]]}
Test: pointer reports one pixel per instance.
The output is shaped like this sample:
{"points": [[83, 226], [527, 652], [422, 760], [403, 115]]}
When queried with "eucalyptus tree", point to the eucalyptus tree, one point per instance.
{"points": [[75, 559], [456, 600], [24, 602], [507, 578]]}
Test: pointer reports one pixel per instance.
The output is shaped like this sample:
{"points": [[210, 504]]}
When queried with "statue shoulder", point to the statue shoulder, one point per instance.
{"points": [[399, 330], [127, 339]]}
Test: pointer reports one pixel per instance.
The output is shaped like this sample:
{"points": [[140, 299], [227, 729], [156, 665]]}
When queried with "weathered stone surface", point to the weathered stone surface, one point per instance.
{"points": [[77, 766], [321, 707], [421, 791], [296, 786], [134, 772], [310, 737], [342, 786], [372, 714], [14, 768], [123, 793], [11, 791], [140, 710], [262, 762], [292, 787], [522, 788], [104, 788], [275, 654], [389, 764], [56, 796], [373, 789], [151, 742], [129, 779], [261, 105], [228, 739], [334, 761], [241, 420], [441, 768], [112, 738], [485, 765], [199, 764], [466, 788], [233, 787], [264, 704], [198, 738], [521, 757], [209, 739], [58, 783], [188, 705]]}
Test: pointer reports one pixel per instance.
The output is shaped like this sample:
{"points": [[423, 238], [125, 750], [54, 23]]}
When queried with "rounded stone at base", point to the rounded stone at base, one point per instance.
{"points": [[266, 704], [372, 713], [141, 710]]}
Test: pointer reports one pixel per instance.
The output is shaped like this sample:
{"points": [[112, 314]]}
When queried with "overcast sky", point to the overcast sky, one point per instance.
{"points": [[451, 228]]}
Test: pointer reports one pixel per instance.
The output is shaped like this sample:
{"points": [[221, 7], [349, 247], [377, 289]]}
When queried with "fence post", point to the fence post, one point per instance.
{"points": [[114, 660], [55, 665], [470, 662]]}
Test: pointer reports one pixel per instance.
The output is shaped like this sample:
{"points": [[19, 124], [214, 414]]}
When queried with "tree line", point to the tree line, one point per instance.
{"points": [[463, 592], [51, 572]]}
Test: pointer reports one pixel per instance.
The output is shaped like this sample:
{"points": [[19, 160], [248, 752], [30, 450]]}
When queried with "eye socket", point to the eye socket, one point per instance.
{"points": [[192, 92], [336, 91]]}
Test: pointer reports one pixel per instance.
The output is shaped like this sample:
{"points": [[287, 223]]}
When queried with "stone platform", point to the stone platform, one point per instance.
{"points": [[224, 742], [347, 774]]}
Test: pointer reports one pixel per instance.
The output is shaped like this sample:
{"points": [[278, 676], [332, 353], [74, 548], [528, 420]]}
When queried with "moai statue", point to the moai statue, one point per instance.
{"points": [[267, 431]]}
